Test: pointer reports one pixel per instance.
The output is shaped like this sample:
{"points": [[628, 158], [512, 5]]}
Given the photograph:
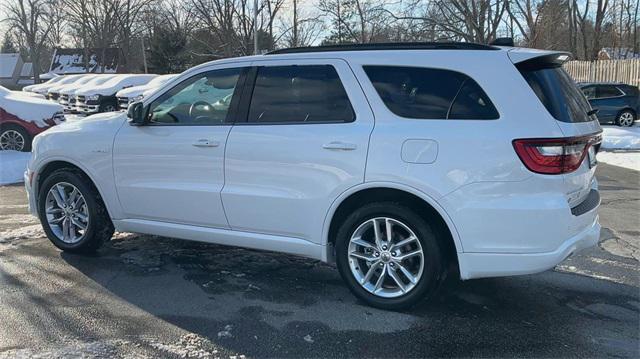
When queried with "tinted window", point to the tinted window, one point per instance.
{"points": [[608, 91], [558, 93], [424, 93], [472, 103], [203, 99], [299, 94], [589, 92]]}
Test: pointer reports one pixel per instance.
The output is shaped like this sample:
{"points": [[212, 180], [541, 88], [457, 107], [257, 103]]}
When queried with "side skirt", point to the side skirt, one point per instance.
{"points": [[289, 245]]}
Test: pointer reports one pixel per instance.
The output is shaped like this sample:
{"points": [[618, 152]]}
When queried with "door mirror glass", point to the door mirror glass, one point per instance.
{"points": [[136, 114]]}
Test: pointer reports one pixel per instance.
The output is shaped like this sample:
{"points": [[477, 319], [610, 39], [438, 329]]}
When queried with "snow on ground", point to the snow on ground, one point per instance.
{"points": [[621, 146], [629, 160], [12, 166], [621, 138]]}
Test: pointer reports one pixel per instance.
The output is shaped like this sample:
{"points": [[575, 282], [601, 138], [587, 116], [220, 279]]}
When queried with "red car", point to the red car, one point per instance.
{"points": [[22, 116]]}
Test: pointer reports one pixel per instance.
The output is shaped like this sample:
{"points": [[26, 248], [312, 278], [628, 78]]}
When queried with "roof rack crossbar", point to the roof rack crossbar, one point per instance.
{"points": [[387, 46]]}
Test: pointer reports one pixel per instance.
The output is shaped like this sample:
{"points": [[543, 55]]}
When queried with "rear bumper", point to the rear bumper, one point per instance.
{"points": [[512, 228], [481, 265]]}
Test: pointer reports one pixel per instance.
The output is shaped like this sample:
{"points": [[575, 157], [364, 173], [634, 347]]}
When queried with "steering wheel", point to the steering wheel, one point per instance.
{"points": [[194, 106]]}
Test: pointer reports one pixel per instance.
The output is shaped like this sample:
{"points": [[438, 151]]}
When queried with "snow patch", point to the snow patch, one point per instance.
{"points": [[629, 160], [12, 166], [26, 232], [620, 138]]}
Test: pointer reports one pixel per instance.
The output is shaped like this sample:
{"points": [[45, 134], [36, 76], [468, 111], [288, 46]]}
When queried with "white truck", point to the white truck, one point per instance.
{"points": [[95, 99], [137, 93]]}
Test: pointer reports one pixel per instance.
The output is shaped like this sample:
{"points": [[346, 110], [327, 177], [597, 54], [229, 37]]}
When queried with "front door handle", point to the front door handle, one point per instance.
{"points": [[338, 145], [206, 143]]}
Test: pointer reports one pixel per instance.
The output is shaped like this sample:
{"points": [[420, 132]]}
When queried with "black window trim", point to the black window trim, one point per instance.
{"points": [[467, 78], [232, 115], [247, 95]]}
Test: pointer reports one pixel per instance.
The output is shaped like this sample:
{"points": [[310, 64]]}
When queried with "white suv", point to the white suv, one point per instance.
{"points": [[396, 162]]}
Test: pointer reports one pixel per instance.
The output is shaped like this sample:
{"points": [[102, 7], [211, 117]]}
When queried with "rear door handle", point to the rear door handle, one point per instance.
{"points": [[338, 145], [206, 143]]}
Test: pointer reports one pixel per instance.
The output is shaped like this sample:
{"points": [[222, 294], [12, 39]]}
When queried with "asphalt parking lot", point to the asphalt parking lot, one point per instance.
{"points": [[147, 296]]}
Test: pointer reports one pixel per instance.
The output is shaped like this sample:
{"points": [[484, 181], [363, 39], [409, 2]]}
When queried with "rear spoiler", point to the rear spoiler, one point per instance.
{"points": [[534, 59]]}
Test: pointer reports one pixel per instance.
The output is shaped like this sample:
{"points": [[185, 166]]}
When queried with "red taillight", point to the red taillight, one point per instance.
{"points": [[554, 155]]}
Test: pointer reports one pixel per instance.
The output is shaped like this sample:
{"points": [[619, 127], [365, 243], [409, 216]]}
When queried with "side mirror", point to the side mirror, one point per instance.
{"points": [[136, 114]]}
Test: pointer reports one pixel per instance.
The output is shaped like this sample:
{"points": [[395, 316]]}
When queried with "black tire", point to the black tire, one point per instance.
{"points": [[434, 260], [25, 135], [99, 229], [108, 107], [622, 119]]}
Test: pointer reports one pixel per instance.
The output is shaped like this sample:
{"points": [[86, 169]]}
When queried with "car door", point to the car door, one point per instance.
{"points": [[609, 101], [302, 143], [172, 168]]}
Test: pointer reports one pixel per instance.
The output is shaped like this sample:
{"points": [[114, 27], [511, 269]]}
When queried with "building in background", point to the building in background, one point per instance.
{"points": [[10, 69]]}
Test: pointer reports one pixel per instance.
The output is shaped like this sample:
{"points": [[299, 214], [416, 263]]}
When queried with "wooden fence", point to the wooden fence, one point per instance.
{"points": [[625, 71]]}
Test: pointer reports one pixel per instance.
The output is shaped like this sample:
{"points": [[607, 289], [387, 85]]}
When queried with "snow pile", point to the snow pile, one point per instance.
{"points": [[620, 138], [620, 147], [12, 166]]}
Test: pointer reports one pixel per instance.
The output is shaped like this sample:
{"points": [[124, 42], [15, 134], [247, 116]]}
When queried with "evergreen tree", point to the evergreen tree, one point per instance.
{"points": [[7, 45]]}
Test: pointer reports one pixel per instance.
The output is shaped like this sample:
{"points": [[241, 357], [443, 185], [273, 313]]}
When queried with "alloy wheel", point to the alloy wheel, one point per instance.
{"points": [[67, 213], [386, 257], [626, 119], [12, 140]]}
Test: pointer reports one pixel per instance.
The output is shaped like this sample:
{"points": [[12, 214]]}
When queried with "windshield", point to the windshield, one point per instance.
{"points": [[558, 93]]}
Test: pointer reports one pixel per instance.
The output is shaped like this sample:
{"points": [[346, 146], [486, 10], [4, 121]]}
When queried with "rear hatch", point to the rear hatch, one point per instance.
{"points": [[574, 156]]}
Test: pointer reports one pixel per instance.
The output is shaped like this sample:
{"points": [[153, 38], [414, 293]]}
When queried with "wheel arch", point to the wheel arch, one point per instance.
{"points": [[51, 165], [425, 205]]}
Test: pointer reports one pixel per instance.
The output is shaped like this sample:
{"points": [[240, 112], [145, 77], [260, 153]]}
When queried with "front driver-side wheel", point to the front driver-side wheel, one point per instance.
{"points": [[389, 256], [626, 118], [72, 213]]}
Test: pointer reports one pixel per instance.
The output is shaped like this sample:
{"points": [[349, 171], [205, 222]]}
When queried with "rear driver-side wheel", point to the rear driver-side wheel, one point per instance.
{"points": [[389, 256], [72, 213]]}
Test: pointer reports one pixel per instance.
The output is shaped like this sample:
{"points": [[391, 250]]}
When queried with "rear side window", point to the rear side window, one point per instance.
{"points": [[558, 92], [299, 94], [425, 93], [608, 91]]}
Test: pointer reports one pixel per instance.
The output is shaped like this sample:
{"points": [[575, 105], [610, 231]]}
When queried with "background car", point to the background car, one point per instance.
{"points": [[102, 98], [53, 93], [43, 87], [137, 93], [22, 117], [616, 103]]}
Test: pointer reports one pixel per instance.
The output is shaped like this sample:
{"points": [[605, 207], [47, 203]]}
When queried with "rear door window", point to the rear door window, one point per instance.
{"points": [[608, 91], [299, 94], [426, 93], [558, 92]]}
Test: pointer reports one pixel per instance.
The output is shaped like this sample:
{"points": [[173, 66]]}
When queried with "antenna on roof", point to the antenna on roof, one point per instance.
{"points": [[503, 41]]}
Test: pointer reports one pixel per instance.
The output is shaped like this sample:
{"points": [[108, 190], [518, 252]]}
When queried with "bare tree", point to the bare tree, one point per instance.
{"points": [[32, 22], [301, 28], [601, 12], [524, 14]]}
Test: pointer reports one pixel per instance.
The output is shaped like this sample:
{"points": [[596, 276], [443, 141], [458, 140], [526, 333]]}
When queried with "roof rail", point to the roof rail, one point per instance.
{"points": [[386, 46]]}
